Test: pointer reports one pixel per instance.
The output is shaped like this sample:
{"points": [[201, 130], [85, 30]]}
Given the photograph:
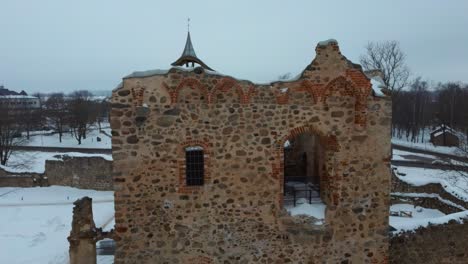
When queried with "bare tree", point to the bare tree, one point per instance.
{"points": [[10, 131], [57, 110], [390, 60], [31, 118], [82, 113]]}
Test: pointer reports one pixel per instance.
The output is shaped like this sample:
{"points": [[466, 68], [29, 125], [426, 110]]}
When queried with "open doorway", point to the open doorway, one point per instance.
{"points": [[303, 168]]}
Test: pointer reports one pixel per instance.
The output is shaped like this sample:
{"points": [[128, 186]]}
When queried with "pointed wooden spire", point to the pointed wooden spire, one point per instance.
{"points": [[188, 55]]}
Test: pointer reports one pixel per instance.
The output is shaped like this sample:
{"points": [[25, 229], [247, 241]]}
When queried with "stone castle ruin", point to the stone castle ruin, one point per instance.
{"points": [[205, 165]]}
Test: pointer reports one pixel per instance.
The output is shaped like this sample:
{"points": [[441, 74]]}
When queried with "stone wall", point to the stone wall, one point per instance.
{"points": [[426, 202], [16, 181], [399, 186], [436, 244], [237, 216], [80, 172]]}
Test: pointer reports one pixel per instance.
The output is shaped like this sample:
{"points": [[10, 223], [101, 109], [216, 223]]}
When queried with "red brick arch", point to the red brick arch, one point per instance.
{"points": [[224, 86], [341, 85], [190, 83], [356, 85], [304, 86]]}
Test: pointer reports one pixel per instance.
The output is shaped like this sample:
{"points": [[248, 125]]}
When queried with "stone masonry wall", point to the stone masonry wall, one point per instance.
{"points": [[237, 216], [425, 202], [399, 186], [80, 172], [436, 244]]}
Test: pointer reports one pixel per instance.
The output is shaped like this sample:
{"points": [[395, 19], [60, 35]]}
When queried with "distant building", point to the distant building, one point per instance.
{"points": [[16, 100], [444, 136]]}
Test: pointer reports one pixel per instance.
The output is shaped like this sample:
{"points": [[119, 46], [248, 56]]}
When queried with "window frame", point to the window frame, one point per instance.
{"points": [[194, 166]]}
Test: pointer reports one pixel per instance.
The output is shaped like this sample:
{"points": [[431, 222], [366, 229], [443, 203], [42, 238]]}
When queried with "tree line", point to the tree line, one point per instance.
{"points": [[424, 106], [417, 104], [74, 113]]}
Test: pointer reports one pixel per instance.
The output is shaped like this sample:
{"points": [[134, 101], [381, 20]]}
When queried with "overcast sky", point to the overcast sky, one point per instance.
{"points": [[60, 45]]}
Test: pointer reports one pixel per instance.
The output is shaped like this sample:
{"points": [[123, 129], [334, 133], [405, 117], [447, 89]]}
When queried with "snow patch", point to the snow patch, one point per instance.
{"points": [[377, 86], [327, 42], [316, 210], [451, 181], [422, 217]]}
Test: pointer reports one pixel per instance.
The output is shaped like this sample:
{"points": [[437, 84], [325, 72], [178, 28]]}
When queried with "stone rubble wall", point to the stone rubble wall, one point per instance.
{"points": [[80, 172], [436, 244], [237, 216], [399, 186], [432, 203]]}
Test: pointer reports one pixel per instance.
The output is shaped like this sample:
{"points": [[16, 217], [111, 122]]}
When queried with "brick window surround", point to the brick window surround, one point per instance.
{"points": [[202, 144], [194, 168]]}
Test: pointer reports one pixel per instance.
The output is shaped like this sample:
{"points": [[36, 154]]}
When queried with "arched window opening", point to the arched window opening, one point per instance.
{"points": [[194, 166], [304, 168]]}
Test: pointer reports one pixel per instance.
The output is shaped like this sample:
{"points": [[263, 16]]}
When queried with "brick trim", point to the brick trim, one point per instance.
{"points": [[137, 94], [183, 188], [190, 83], [224, 86]]}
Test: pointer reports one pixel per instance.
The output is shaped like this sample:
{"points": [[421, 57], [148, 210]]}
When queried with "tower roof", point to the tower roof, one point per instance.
{"points": [[189, 56]]}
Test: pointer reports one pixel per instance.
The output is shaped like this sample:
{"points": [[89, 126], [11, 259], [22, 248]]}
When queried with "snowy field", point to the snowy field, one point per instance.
{"points": [[451, 181], [35, 222], [421, 217], [34, 161], [69, 141]]}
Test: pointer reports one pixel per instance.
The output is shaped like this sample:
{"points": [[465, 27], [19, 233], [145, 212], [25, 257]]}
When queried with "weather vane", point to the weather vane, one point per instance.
{"points": [[188, 24]]}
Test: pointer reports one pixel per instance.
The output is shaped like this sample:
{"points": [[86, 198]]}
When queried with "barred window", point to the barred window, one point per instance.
{"points": [[194, 166]]}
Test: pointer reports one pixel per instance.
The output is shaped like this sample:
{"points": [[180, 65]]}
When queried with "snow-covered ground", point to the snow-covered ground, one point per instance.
{"points": [[428, 146], [316, 209], [452, 181], [34, 161], [69, 141], [421, 217], [35, 222], [412, 156]]}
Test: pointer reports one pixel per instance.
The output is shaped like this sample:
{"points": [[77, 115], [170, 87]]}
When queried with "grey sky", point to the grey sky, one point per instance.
{"points": [[60, 45]]}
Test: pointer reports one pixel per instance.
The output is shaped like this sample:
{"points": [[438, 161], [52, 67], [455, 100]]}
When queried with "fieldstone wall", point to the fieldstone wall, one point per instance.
{"points": [[237, 216], [426, 202], [399, 186], [80, 172], [436, 244]]}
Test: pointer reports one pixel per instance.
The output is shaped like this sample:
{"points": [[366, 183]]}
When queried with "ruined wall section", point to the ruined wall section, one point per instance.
{"points": [[434, 244], [237, 215], [79, 172]]}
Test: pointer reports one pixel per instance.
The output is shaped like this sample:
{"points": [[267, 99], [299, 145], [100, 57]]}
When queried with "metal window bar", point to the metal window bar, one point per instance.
{"points": [[194, 170], [308, 193]]}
